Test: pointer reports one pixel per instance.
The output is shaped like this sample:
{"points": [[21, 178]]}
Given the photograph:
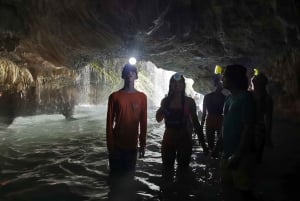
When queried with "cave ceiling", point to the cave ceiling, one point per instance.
{"points": [[189, 36]]}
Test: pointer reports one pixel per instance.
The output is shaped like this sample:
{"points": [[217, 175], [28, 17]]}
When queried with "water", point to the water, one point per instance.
{"points": [[46, 157]]}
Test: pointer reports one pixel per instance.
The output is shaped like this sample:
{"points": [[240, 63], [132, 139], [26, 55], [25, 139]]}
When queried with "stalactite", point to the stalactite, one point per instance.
{"points": [[14, 78]]}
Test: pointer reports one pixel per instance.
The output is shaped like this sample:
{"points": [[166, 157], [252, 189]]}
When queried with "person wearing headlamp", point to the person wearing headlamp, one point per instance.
{"points": [[264, 113], [126, 125], [180, 116], [238, 157], [212, 112]]}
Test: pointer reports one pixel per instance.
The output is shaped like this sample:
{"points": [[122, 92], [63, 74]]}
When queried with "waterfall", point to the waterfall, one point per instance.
{"points": [[160, 81], [153, 81], [84, 82]]}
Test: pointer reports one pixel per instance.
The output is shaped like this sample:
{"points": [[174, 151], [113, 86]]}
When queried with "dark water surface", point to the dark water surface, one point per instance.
{"points": [[46, 157]]}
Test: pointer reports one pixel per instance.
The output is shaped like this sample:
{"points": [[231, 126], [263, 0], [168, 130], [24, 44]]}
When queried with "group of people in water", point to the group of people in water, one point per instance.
{"points": [[234, 127]]}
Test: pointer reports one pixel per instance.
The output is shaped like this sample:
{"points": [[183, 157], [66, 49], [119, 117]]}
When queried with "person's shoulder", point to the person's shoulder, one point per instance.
{"points": [[207, 96], [225, 92], [247, 94], [164, 99], [210, 94], [248, 97], [115, 95], [140, 93], [189, 100]]}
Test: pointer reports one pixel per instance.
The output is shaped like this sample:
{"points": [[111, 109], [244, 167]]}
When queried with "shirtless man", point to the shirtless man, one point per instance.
{"points": [[212, 117]]}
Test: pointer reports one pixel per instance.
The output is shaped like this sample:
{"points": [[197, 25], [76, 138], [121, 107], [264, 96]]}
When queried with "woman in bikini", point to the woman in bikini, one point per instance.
{"points": [[181, 120]]}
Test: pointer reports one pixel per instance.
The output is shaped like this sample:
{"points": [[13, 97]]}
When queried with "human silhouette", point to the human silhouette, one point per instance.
{"points": [[181, 120], [126, 128], [238, 157], [212, 114], [264, 113]]}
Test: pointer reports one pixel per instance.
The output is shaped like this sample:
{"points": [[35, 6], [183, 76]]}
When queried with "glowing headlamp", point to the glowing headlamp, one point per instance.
{"points": [[218, 69], [132, 60], [177, 76], [256, 72]]}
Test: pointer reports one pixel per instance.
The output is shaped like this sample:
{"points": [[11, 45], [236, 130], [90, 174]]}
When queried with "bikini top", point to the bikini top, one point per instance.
{"points": [[176, 117]]}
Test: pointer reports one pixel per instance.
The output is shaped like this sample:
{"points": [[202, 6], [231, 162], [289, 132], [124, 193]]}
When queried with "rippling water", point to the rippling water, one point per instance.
{"points": [[46, 157]]}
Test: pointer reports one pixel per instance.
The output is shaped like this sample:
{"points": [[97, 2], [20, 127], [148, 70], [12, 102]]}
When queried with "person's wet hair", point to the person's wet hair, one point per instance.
{"points": [[238, 75], [175, 78]]}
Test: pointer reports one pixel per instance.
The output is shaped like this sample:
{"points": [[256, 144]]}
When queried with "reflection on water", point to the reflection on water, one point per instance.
{"points": [[47, 157]]}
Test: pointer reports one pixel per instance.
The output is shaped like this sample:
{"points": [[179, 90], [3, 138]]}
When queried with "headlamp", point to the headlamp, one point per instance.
{"points": [[218, 69], [177, 76], [132, 60], [256, 72]]}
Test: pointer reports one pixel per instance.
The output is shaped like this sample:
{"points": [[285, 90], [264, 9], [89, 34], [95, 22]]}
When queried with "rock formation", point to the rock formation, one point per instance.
{"points": [[49, 41]]}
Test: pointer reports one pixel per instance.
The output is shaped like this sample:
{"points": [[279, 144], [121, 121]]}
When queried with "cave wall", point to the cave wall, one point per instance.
{"points": [[189, 36]]}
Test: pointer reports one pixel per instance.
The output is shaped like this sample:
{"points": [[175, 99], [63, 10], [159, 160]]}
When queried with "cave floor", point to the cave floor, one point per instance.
{"points": [[279, 174], [276, 177]]}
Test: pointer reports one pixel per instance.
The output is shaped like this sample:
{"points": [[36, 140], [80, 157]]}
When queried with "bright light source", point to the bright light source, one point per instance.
{"points": [[132, 60]]}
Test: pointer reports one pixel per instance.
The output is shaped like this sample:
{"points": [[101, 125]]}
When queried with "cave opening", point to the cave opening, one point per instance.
{"points": [[96, 83]]}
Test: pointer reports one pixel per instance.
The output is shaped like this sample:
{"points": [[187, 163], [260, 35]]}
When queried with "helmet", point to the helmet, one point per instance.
{"points": [[218, 69]]}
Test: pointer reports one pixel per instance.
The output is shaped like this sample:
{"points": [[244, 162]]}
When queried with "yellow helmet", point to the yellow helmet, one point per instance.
{"points": [[218, 69], [256, 71]]}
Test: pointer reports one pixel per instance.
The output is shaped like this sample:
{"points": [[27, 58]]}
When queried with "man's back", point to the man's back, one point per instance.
{"points": [[214, 102]]}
